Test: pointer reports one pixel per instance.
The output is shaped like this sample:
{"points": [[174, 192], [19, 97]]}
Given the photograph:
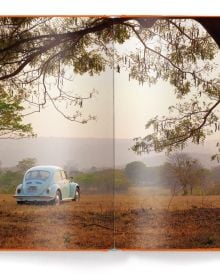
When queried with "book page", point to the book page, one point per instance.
{"points": [[167, 134], [56, 127]]}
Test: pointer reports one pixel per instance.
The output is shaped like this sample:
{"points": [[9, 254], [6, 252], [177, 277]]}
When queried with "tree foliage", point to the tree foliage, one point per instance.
{"points": [[36, 53], [11, 114], [39, 55], [184, 57]]}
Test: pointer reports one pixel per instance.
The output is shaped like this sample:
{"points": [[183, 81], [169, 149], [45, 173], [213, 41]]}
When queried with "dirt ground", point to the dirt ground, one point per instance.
{"points": [[144, 221], [141, 222], [162, 229], [87, 224]]}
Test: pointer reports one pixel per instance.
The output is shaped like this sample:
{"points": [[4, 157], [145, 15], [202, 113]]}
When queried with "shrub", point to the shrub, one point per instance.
{"points": [[9, 180]]}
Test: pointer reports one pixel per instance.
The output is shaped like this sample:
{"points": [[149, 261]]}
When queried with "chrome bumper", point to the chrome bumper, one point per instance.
{"points": [[33, 198]]}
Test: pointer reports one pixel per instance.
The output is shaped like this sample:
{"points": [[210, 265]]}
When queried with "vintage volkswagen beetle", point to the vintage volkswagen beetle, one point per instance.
{"points": [[46, 184]]}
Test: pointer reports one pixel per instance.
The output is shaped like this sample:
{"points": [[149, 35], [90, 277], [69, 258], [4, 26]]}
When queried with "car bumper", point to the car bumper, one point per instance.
{"points": [[33, 198]]}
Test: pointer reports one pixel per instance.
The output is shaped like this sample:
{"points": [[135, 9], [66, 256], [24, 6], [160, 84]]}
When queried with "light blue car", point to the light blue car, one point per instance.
{"points": [[46, 184]]}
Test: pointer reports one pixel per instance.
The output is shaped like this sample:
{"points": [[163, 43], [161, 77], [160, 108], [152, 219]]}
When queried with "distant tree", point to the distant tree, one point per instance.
{"points": [[26, 163], [185, 173], [215, 174], [93, 169], [136, 172]]}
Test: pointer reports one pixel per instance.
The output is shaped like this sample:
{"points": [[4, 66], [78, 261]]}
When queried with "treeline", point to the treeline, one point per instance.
{"points": [[91, 181], [141, 175], [181, 174], [103, 181]]}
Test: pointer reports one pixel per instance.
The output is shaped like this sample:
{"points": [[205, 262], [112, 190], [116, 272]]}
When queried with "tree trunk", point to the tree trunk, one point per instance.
{"points": [[185, 192]]}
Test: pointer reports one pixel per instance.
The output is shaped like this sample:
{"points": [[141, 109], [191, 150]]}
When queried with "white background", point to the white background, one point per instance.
{"points": [[110, 265], [114, 264], [111, 7]]}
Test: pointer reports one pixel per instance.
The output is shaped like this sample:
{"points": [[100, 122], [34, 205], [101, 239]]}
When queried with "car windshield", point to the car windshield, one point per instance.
{"points": [[37, 175]]}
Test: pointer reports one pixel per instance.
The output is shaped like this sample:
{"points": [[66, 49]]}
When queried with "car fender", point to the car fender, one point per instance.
{"points": [[54, 189], [18, 187], [73, 187]]}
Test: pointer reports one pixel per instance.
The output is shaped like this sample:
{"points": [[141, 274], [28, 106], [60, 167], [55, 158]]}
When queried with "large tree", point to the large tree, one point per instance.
{"points": [[185, 173], [36, 53]]}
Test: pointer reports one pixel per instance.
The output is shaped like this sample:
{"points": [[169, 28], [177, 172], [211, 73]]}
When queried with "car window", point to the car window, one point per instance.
{"points": [[37, 175], [58, 176]]}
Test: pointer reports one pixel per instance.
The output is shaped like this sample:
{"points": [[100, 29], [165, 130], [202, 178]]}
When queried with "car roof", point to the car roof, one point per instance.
{"points": [[49, 168]]}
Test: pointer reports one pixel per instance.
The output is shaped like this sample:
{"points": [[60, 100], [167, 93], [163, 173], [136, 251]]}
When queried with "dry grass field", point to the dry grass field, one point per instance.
{"points": [[142, 221], [87, 224]]}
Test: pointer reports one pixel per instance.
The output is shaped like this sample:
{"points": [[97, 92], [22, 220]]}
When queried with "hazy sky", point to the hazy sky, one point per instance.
{"points": [[49, 123], [133, 105]]}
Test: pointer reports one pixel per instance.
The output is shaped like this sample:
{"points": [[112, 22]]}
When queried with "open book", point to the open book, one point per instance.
{"points": [[109, 130]]}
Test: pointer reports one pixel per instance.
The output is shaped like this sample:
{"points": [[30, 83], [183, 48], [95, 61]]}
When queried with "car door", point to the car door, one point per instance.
{"points": [[58, 178]]}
